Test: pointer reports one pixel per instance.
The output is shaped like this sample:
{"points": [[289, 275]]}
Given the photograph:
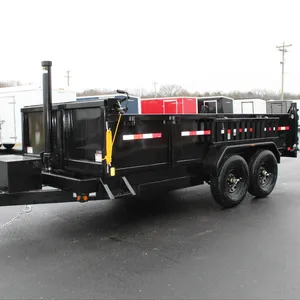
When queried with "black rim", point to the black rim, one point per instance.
{"points": [[266, 173], [235, 181]]}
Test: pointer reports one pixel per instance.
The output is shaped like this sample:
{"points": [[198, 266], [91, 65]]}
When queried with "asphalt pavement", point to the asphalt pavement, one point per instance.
{"points": [[178, 247]]}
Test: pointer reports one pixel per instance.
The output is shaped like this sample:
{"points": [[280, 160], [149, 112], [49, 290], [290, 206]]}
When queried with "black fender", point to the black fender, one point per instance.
{"points": [[216, 155]]}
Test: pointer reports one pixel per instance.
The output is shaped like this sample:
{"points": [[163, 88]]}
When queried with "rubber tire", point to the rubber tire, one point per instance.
{"points": [[255, 188], [219, 182], [8, 146]]}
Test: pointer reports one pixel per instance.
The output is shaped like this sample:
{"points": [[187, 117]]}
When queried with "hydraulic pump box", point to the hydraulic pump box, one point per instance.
{"points": [[19, 173]]}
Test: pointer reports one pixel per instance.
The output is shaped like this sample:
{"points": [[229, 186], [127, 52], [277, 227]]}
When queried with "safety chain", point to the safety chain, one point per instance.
{"points": [[27, 209]]}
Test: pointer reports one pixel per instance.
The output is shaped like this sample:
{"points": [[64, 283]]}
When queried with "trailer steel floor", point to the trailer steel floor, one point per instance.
{"points": [[182, 246]]}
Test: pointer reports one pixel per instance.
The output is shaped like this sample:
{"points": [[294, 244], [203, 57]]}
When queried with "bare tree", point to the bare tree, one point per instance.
{"points": [[95, 92], [10, 83], [172, 90]]}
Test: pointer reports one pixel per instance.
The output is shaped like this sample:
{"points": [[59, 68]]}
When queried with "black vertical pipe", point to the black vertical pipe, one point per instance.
{"points": [[47, 108]]}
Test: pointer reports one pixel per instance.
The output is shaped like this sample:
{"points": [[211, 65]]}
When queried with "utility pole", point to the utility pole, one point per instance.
{"points": [[154, 84], [282, 48], [68, 77]]}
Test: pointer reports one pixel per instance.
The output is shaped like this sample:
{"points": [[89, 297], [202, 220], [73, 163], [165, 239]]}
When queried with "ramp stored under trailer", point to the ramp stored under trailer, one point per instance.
{"points": [[93, 151]]}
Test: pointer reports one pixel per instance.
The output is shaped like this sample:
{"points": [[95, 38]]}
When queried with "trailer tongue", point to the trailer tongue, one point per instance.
{"points": [[92, 150]]}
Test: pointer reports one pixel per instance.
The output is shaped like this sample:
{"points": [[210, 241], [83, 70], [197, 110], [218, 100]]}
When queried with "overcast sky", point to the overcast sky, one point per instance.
{"points": [[202, 45]]}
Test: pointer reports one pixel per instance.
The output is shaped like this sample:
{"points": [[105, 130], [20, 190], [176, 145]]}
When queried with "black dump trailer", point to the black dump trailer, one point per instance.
{"points": [[93, 151]]}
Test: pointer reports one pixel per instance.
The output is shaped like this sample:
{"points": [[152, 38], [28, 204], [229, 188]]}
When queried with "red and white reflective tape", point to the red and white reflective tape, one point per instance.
{"points": [[281, 128], [192, 133], [228, 134], [240, 130], [270, 129], [245, 130], [141, 136]]}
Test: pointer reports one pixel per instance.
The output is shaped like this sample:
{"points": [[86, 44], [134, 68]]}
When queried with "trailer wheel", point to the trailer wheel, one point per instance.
{"points": [[8, 146], [230, 185], [263, 170]]}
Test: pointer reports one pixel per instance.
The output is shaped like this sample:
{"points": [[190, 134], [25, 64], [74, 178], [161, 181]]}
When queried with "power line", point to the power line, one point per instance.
{"points": [[154, 84], [282, 48], [68, 77]]}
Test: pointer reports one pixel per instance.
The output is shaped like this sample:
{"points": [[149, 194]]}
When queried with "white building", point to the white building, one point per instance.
{"points": [[12, 99]]}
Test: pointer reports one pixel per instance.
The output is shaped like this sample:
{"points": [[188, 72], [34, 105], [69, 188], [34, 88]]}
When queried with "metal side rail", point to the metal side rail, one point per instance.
{"points": [[55, 195], [84, 187]]}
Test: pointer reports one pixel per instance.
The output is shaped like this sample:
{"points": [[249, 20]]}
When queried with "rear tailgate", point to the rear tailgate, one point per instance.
{"points": [[288, 131]]}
